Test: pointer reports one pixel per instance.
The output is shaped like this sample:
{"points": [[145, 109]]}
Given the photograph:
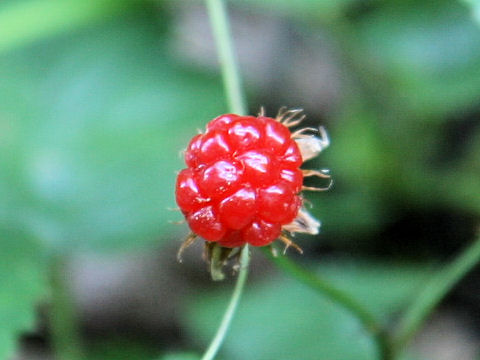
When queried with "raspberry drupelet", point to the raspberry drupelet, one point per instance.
{"points": [[243, 181]]}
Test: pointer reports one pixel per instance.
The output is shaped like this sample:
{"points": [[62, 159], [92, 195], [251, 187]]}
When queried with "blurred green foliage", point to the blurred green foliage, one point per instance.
{"points": [[180, 356], [25, 22], [392, 141], [302, 10], [475, 5], [97, 139], [271, 325], [22, 283], [427, 61], [95, 109], [121, 348]]}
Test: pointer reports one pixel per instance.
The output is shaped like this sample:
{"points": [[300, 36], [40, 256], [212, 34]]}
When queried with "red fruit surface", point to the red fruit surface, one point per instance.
{"points": [[261, 233], [189, 197], [242, 181], [275, 204]]}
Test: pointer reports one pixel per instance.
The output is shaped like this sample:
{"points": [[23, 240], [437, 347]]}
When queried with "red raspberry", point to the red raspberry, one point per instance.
{"points": [[243, 180]]}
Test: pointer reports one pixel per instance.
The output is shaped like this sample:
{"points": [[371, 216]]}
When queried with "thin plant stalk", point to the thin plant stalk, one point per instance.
{"points": [[232, 306], [236, 104], [226, 55], [434, 292]]}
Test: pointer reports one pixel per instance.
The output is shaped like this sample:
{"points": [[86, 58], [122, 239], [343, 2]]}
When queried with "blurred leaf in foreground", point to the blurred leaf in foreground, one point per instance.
{"points": [[283, 319], [96, 123], [26, 21]]}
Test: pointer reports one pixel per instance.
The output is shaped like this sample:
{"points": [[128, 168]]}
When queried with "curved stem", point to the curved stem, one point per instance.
{"points": [[223, 40], [434, 292], [232, 306], [339, 297]]}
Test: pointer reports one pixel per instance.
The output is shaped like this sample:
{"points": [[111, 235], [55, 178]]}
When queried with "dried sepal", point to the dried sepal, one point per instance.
{"points": [[218, 256], [290, 118], [288, 242], [304, 223], [262, 111], [321, 174], [311, 146], [190, 239]]}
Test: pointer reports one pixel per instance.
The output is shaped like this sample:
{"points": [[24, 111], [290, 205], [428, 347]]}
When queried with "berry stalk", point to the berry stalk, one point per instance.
{"points": [[227, 57], [233, 90], [232, 306]]}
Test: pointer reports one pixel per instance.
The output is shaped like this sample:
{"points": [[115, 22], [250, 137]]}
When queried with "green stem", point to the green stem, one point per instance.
{"points": [[64, 333], [236, 104], [226, 54], [434, 292], [339, 297], [232, 306]]}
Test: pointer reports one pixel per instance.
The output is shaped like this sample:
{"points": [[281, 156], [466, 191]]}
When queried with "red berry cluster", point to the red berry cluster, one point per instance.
{"points": [[242, 181]]}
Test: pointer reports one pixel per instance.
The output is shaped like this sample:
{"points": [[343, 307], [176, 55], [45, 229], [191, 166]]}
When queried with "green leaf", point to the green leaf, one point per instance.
{"points": [[475, 7], [95, 125], [282, 319], [429, 56], [22, 283], [119, 348], [303, 9], [180, 356], [24, 22]]}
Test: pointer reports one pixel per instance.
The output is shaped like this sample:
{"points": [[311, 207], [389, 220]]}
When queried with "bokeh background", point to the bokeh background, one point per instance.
{"points": [[99, 97]]}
